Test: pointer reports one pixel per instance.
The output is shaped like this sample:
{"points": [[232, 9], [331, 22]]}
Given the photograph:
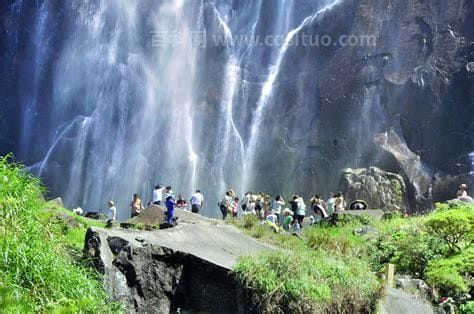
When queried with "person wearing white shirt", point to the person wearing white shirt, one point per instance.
{"points": [[276, 206], [111, 212], [157, 195], [273, 218], [196, 202]]}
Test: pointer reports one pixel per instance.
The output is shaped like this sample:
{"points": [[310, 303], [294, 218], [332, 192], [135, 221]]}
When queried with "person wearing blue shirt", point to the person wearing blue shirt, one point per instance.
{"points": [[170, 202]]}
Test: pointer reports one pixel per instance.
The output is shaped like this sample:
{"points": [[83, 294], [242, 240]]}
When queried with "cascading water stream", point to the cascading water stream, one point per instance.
{"points": [[123, 114], [266, 94]]}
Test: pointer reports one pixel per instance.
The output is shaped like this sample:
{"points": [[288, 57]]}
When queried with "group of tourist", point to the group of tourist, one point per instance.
{"points": [[262, 205], [165, 196], [269, 210]]}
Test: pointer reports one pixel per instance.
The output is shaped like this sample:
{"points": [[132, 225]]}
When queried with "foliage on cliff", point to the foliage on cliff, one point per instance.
{"points": [[37, 272], [436, 247]]}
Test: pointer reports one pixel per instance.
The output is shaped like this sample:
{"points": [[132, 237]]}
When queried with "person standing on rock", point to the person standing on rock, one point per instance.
{"points": [[294, 204], [157, 195], [235, 207], [259, 205], [170, 202], [196, 201], [276, 205], [111, 212], [168, 192], [136, 205], [225, 204], [300, 211], [317, 206], [287, 219], [181, 202], [330, 204], [246, 201], [339, 203], [462, 194], [462, 191]]}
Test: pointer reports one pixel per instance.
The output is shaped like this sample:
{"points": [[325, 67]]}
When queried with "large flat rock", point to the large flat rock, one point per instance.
{"points": [[184, 267], [374, 213], [217, 243]]}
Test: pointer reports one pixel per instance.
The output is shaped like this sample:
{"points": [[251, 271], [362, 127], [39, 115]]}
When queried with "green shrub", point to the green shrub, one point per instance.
{"points": [[404, 242], [36, 272], [348, 219], [249, 222], [467, 308], [336, 240], [451, 275], [454, 226], [306, 280]]}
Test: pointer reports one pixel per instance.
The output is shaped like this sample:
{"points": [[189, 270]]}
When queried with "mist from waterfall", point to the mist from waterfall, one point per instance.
{"points": [[122, 114]]}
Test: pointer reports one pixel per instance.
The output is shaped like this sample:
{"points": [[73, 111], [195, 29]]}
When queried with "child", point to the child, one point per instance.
{"points": [[181, 202], [287, 219], [170, 208], [235, 207]]}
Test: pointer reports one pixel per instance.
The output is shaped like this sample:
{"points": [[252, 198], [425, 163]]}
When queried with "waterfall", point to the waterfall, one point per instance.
{"points": [[266, 94], [109, 110]]}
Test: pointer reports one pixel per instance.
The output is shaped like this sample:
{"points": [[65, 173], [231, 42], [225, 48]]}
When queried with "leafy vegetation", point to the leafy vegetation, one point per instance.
{"points": [[436, 247], [454, 226], [451, 274], [37, 273], [308, 274], [301, 276]]}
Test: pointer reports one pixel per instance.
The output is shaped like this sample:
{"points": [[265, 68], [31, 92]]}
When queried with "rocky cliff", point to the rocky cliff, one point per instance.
{"points": [[185, 267], [280, 118]]}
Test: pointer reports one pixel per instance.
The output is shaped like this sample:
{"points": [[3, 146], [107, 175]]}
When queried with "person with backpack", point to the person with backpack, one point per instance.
{"points": [[318, 207], [224, 205]]}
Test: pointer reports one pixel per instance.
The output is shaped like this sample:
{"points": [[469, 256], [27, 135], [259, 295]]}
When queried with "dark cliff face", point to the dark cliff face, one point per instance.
{"points": [[404, 104], [413, 82]]}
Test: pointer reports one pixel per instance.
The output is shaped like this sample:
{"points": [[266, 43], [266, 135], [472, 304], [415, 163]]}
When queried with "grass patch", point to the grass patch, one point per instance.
{"points": [[319, 271], [36, 272], [309, 281]]}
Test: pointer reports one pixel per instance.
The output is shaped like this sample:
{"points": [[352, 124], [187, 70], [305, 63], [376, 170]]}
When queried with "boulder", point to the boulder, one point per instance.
{"points": [[155, 215], [378, 188], [152, 215], [364, 230], [417, 176], [57, 201], [416, 287], [399, 302], [65, 219], [177, 268]]}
